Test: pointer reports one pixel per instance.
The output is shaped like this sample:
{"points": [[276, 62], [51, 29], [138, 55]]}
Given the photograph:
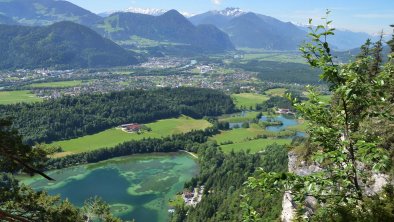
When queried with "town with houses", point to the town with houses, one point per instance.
{"points": [[169, 72]]}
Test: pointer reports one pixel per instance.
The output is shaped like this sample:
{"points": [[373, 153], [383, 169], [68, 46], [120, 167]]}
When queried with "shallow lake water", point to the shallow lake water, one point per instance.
{"points": [[284, 119], [136, 187]]}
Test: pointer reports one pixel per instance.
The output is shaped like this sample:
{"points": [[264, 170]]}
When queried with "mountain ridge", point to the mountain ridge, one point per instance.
{"points": [[61, 45], [170, 26], [46, 12]]}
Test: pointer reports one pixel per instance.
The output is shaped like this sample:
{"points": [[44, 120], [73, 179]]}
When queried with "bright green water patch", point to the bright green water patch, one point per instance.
{"points": [[136, 187]]}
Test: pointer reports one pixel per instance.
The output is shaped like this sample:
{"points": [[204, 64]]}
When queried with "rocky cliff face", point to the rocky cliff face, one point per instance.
{"points": [[288, 205], [375, 185]]}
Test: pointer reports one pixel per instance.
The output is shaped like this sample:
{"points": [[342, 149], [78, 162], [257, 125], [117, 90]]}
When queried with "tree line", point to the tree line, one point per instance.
{"points": [[71, 117], [187, 141]]}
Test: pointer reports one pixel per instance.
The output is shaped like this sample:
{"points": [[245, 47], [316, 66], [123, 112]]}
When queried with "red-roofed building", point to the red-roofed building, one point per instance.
{"points": [[132, 127]]}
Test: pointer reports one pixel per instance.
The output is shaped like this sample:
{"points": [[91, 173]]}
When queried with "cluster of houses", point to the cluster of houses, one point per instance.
{"points": [[193, 198], [285, 111], [131, 127]]}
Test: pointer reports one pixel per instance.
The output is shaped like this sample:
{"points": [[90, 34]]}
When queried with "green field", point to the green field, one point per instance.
{"points": [[247, 100], [113, 137], [61, 84], [236, 118], [276, 92], [12, 97], [253, 145], [264, 55], [238, 135]]}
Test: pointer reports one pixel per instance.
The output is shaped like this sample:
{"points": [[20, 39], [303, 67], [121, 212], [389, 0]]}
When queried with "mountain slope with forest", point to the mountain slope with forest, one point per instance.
{"points": [[61, 45], [169, 27], [45, 12]]}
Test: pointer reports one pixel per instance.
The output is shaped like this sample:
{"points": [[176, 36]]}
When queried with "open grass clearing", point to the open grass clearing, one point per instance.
{"points": [[61, 84], [12, 97], [238, 135], [113, 136], [248, 100], [275, 56], [239, 117], [253, 145], [276, 92]]}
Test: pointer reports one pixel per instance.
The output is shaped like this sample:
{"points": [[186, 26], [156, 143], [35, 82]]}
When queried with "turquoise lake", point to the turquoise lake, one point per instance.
{"points": [[136, 187]]}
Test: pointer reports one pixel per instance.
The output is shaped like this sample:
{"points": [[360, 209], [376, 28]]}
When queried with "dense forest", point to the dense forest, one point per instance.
{"points": [[223, 176], [71, 117]]}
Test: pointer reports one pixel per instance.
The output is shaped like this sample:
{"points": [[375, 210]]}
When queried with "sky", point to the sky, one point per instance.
{"points": [[371, 16]]}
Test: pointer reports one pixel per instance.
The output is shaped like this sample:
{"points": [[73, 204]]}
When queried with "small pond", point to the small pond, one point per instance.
{"points": [[286, 120]]}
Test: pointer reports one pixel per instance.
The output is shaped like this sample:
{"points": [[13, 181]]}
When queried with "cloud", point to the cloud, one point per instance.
{"points": [[217, 2]]}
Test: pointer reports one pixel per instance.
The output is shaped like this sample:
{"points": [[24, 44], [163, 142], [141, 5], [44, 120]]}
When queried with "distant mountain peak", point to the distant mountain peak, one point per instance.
{"points": [[146, 11], [231, 12]]}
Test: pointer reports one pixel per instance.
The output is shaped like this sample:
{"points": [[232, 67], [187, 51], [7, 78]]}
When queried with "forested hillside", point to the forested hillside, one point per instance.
{"points": [[171, 27], [71, 117], [64, 45], [46, 12], [223, 176]]}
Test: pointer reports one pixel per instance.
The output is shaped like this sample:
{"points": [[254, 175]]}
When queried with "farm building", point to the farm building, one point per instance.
{"points": [[131, 127]]}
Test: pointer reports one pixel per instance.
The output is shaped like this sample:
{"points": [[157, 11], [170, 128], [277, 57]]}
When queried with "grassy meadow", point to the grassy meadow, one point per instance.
{"points": [[61, 84], [253, 145], [113, 136], [238, 135], [12, 97], [247, 100], [276, 92], [265, 55], [244, 138]]}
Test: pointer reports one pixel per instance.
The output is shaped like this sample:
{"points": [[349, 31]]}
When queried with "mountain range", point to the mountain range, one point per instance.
{"points": [[169, 27], [146, 11], [63, 45], [210, 32], [345, 40], [252, 30]]}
